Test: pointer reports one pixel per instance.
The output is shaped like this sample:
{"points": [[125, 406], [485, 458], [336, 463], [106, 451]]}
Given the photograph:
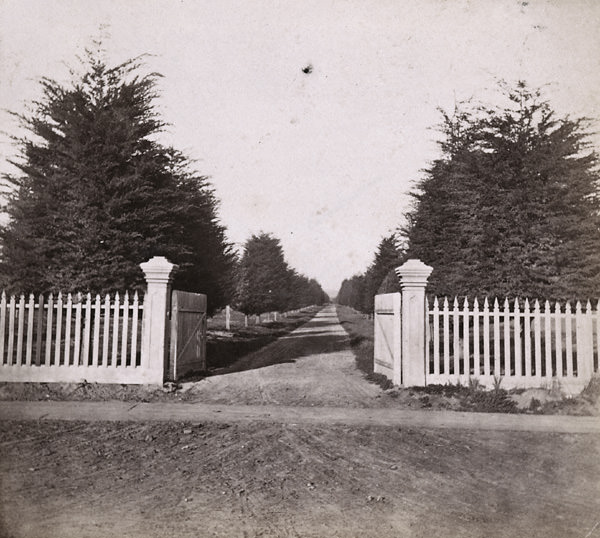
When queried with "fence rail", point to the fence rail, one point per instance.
{"points": [[521, 344], [71, 338]]}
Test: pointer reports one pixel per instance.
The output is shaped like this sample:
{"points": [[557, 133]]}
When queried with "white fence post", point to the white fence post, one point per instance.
{"points": [[413, 277], [158, 272], [227, 318]]}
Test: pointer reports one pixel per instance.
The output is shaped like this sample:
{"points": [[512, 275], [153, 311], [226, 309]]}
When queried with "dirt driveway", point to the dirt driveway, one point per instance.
{"points": [[312, 366], [251, 478]]}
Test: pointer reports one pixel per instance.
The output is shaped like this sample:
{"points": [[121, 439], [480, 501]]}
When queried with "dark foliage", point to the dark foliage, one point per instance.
{"points": [[511, 208], [267, 284], [97, 195]]}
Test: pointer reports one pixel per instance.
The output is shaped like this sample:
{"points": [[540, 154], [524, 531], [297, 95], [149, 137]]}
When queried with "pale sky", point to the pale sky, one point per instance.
{"points": [[324, 160]]}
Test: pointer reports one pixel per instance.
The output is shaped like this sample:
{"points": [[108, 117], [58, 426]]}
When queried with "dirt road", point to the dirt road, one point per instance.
{"points": [[312, 366]]}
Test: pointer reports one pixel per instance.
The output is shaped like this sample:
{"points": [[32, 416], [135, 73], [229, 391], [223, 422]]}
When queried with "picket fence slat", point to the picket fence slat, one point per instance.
{"points": [[11, 329], [134, 331], [30, 318], [115, 332], [58, 339], [96, 341], [20, 330], [124, 332]]}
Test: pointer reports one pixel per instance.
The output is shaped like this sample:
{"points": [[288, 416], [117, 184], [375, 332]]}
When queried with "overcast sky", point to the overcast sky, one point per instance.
{"points": [[323, 160]]}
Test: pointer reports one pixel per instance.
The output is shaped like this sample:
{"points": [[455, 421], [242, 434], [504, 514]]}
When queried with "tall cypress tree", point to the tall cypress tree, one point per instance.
{"points": [[97, 194], [387, 258], [267, 283], [511, 208]]}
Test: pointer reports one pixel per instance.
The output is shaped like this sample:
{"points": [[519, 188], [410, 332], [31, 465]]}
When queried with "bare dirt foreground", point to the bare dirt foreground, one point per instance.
{"points": [[79, 479]]}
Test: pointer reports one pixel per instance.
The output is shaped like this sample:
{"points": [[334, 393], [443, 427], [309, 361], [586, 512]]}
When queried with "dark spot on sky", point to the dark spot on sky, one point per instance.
{"points": [[308, 69]]}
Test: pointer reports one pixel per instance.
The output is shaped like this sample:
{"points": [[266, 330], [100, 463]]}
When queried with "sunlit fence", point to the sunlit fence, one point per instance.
{"points": [[73, 337], [522, 345], [513, 344]]}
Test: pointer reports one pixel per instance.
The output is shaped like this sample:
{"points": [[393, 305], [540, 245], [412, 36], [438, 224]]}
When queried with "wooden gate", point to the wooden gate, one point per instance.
{"points": [[387, 349], [188, 334]]}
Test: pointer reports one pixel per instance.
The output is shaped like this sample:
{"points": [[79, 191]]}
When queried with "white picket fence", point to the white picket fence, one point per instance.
{"points": [[71, 338], [516, 345]]}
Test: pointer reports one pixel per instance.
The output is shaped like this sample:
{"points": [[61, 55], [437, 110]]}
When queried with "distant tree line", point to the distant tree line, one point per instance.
{"points": [[511, 208], [266, 283]]}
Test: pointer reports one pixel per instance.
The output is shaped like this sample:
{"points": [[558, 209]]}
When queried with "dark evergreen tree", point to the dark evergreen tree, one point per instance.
{"points": [[97, 194], [511, 208], [266, 283], [387, 258], [264, 276], [352, 292]]}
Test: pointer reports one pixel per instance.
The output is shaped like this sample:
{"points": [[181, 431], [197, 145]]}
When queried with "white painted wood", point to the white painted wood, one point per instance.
{"points": [[11, 329], [30, 318], [2, 327], [517, 339], [476, 358], [558, 340], [497, 341], [446, 322], [507, 354], [58, 332], [77, 348], [436, 337], [527, 337], [125, 330], [20, 330], [134, 329], [569, 338], [456, 332], [96, 308], [87, 331], [115, 331], [466, 338], [106, 331], [537, 339], [597, 333], [548, 339], [68, 322], [49, 318], [486, 338]]}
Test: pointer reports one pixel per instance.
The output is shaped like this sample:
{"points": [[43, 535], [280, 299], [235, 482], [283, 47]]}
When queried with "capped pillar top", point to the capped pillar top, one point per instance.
{"points": [[158, 269], [413, 273]]}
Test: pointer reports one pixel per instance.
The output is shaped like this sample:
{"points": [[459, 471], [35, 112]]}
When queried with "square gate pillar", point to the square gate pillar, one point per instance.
{"points": [[159, 276], [413, 277]]}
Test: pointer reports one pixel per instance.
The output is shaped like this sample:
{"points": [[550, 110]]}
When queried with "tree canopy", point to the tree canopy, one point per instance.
{"points": [[511, 207], [266, 283], [97, 194]]}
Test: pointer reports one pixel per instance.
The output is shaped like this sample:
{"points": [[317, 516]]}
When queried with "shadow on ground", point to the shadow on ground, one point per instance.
{"points": [[287, 350]]}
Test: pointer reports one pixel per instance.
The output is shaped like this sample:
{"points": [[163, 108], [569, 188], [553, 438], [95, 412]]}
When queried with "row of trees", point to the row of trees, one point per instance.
{"points": [[511, 208], [96, 194], [267, 283]]}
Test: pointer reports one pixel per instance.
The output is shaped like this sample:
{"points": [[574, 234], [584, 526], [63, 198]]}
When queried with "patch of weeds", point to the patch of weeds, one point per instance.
{"points": [[494, 401], [447, 391], [380, 380], [535, 405]]}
